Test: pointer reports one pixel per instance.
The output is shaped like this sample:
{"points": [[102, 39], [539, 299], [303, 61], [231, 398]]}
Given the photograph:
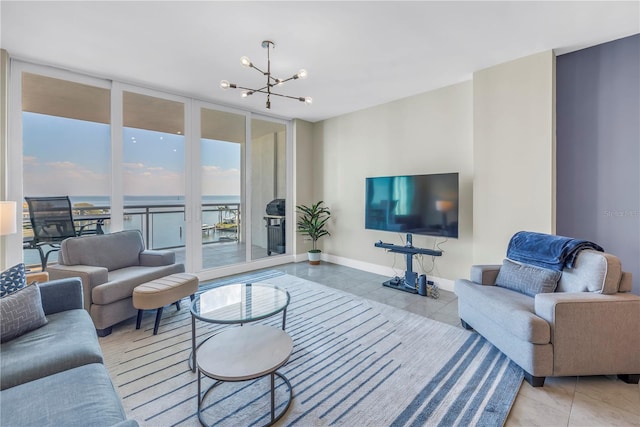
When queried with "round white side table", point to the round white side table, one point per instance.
{"points": [[241, 354]]}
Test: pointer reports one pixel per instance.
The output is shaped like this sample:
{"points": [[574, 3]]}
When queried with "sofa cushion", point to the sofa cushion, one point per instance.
{"points": [[21, 312], [83, 396], [122, 282], [593, 271], [67, 341], [111, 251], [527, 279], [513, 311], [12, 279]]}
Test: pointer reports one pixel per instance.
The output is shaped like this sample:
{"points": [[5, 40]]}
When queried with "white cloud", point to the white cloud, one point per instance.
{"points": [[62, 178], [68, 178]]}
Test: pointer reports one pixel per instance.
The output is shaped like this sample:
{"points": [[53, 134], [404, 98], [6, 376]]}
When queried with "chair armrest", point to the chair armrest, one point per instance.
{"points": [[91, 277], [61, 295], [484, 274], [150, 258], [592, 333]]}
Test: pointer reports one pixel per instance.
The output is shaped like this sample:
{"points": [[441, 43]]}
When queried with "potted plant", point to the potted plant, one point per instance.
{"points": [[313, 222]]}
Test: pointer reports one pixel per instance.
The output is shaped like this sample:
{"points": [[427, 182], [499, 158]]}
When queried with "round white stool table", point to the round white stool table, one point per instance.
{"points": [[241, 354]]}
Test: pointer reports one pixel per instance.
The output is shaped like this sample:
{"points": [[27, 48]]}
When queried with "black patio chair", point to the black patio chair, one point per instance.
{"points": [[52, 222]]}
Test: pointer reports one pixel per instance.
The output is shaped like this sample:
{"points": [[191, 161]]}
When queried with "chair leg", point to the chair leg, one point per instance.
{"points": [[178, 305], [139, 319], [466, 325], [630, 378], [104, 332], [158, 316], [43, 259], [534, 381], [192, 297]]}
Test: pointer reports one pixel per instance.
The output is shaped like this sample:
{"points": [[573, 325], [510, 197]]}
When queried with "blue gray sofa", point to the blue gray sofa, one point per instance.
{"points": [[54, 375], [110, 267], [581, 321]]}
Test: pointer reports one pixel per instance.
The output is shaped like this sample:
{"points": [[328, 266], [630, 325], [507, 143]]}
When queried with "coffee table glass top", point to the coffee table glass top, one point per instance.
{"points": [[240, 303]]}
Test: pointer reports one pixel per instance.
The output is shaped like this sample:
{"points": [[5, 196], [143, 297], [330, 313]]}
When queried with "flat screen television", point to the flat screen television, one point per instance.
{"points": [[419, 204]]}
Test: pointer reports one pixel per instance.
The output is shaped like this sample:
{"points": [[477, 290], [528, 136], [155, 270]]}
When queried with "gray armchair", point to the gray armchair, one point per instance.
{"points": [[110, 267], [590, 325]]}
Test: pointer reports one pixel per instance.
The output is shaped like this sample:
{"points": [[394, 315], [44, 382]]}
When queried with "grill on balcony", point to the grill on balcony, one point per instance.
{"points": [[275, 226]]}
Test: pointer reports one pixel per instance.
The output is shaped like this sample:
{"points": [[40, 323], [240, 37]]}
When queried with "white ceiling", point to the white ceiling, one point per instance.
{"points": [[358, 54]]}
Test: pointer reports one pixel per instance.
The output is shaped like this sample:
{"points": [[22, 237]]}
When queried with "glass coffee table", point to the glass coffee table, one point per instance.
{"points": [[237, 303]]}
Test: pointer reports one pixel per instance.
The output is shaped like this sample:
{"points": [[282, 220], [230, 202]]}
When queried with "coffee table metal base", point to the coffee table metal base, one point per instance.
{"points": [[274, 417], [244, 353]]}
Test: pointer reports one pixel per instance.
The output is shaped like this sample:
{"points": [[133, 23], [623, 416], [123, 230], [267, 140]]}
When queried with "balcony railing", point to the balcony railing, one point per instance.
{"points": [[163, 226]]}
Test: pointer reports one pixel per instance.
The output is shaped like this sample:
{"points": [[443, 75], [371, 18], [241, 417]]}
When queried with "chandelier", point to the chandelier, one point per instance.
{"points": [[271, 81]]}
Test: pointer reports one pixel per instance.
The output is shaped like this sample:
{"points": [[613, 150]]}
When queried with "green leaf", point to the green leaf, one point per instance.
{"points": [[313, 221]]}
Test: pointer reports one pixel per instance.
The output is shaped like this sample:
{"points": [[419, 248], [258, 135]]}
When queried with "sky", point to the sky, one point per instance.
{"points": [[72, 157]]}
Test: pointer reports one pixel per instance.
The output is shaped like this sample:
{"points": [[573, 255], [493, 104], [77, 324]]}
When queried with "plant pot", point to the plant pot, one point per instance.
{"points": [[314, 257]]}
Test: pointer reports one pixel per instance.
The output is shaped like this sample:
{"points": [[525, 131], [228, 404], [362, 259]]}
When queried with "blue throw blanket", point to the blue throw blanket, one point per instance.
{"points": [[545, 250]]}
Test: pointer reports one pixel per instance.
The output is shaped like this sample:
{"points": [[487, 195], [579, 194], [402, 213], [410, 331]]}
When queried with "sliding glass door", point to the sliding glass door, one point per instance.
{"points": [[222, 150], [65, 147], [207, 182], [153, 170], [268, 188], [236, 226]]}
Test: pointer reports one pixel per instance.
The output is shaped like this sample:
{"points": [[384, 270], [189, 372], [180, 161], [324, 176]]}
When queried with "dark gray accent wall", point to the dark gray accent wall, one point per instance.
{"points": [[598, 148]]}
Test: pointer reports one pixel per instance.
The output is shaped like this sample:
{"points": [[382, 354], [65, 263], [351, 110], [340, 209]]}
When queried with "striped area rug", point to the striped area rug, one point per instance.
{"points": [[355, 362]]}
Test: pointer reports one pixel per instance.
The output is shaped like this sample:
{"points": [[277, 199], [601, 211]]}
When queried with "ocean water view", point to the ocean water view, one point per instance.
{"points": [[161, 219]]}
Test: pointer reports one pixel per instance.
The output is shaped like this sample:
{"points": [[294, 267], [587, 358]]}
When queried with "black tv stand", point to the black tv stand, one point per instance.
{"points": [[408, 283]]}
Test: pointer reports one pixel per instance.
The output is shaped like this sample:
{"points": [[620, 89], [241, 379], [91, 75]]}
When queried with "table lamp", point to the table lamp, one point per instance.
{"points": [[7, 218]]}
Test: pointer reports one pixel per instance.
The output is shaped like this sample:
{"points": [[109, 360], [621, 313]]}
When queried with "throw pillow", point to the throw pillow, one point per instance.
{"points": [[12, 280], [21, 312], [527, 279]]}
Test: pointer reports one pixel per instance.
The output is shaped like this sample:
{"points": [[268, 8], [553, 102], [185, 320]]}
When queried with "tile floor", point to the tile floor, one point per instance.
{"points": [[564, 401]]}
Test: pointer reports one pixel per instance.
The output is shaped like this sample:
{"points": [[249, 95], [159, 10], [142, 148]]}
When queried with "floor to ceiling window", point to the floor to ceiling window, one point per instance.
{"points": [[222, 147], [193, 177], [66, 146], [268, 188], [153, 168]]}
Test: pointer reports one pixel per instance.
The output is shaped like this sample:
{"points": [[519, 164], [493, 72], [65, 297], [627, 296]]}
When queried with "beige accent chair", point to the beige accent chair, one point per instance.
{"points": [[590, 325], [111, 266]]}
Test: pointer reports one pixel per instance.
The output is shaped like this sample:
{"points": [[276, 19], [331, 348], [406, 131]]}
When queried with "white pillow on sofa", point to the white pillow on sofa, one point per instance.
{"points": [[592, 271]]}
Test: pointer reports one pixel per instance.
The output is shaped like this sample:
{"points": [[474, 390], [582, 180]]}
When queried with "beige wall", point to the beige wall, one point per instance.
{"points": [[514, 153], [427, 133], [497, 131]]}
